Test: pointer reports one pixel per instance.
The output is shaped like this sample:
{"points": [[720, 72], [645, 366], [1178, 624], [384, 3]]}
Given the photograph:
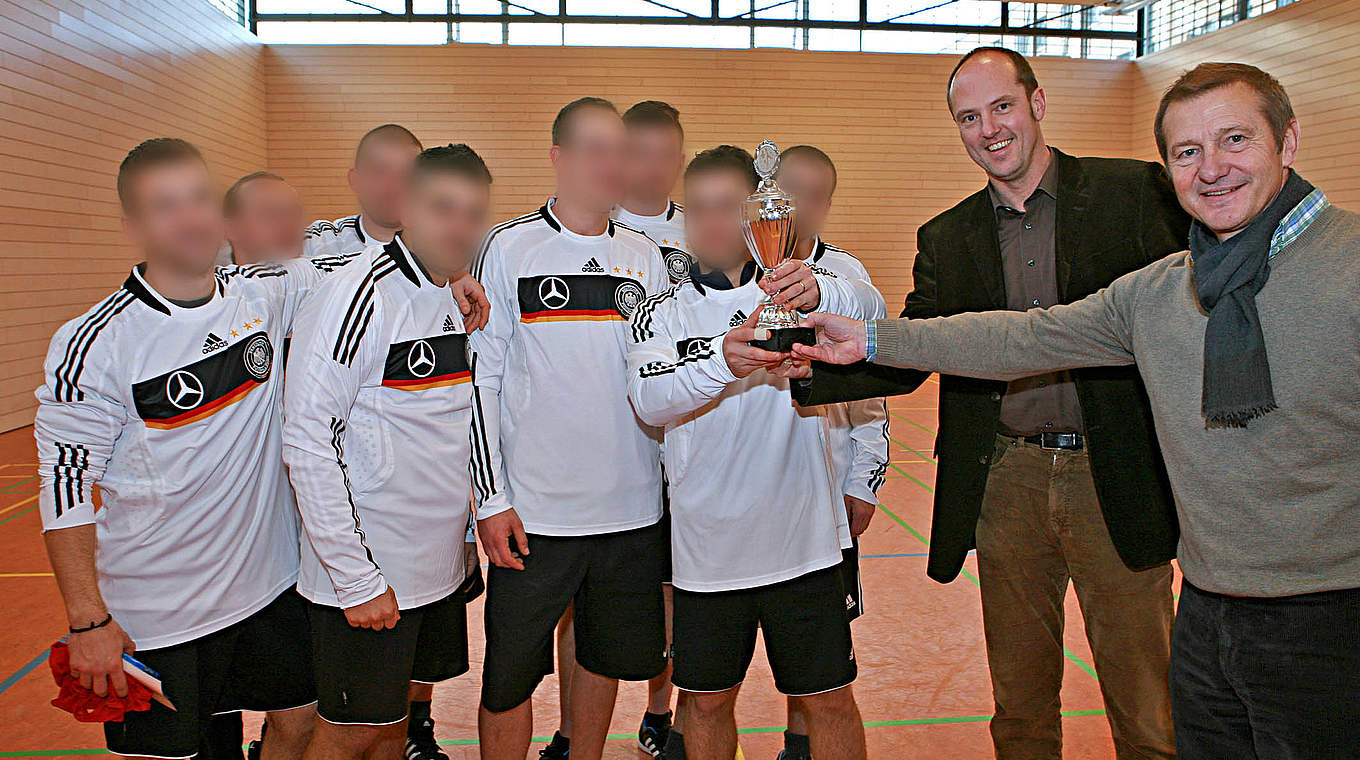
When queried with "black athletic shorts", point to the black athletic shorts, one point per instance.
{"points": [[262, 663], [614, 580], [363, 676], [850, 581], [803, 620]]}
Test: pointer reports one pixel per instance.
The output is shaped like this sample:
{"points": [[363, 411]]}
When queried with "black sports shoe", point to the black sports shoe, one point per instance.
{"points": [[254, 749], [420, 743], [652, 734], [558, 749], [784, 755]]}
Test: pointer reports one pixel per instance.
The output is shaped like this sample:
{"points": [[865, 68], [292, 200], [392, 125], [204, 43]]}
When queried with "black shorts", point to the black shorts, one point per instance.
{"points": [[807, 635], [614, 580], [850, 581], [363, 676], [262, 663]]}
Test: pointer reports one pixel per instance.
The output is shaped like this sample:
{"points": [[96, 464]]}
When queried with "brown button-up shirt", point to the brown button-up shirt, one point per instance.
{"points": [[1029, 263]]}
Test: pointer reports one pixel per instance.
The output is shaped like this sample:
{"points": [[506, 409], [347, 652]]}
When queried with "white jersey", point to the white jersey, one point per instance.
{"points": [[667, 230], [172, 412], [377, 416], [342, 236], [753, 498], [554, 436], [858, 431]]}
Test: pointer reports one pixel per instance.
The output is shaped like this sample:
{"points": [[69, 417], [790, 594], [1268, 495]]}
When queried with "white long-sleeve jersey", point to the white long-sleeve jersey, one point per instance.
{"points": [[753, 497], [342, 236], [554, 436], [377, 425], [667, 230], [858, 431], [173, 413]]}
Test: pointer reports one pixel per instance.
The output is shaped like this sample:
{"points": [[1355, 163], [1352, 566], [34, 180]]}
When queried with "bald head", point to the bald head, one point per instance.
{"points": [[992, 58], [264, 219], [382, 164]]}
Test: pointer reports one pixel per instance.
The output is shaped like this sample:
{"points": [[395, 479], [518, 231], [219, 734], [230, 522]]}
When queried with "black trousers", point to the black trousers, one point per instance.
{"points": [[1266, 678]]}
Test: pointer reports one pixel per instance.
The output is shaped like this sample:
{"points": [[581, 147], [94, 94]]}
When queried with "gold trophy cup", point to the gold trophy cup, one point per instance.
{"points": [[767, 219]]}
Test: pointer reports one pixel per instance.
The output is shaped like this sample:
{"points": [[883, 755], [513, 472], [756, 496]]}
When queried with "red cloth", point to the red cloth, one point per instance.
{"points": [[83, 703]]}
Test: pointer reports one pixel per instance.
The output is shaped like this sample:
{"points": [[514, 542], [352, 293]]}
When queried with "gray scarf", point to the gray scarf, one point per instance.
{"points": [[1228, 275]]}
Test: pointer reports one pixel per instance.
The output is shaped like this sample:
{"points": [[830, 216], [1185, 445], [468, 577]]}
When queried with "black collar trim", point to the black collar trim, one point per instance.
{"points": [[407, 262], [670, 210], [546, 212], [717, 280], [134, 285]]}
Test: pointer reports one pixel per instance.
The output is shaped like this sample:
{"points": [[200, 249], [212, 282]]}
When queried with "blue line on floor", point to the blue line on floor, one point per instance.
{"points": [[21, 672]]}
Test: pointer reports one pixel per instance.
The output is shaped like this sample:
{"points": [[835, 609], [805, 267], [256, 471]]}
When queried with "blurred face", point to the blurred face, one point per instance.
{"points": [[713, 218], [446, 217], [1223, 157], [811, 183], [591, 165], [268, 222], [656, 157], [379, 179], [175, 216], [998, 124]]}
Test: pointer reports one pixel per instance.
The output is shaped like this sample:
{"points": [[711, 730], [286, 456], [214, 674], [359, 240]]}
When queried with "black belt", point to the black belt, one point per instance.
{"points": [[1057, 441]]}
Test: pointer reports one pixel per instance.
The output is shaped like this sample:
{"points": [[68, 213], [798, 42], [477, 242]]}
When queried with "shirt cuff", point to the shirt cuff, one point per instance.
{"points": [[870, 340]]}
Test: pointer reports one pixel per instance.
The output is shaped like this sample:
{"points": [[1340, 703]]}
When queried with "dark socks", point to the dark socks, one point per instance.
{"points": [[797, 745], [420, 726], [675, 746]]}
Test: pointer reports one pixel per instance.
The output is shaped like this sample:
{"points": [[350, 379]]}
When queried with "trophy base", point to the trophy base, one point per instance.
{"points": [[783, 338]]}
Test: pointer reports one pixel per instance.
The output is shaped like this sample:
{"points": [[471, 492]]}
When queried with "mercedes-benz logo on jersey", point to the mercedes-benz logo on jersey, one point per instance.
{"points": [[627, 296], [258, 356], [677, 262], [553, 292], [184, 389], [420, 359]]}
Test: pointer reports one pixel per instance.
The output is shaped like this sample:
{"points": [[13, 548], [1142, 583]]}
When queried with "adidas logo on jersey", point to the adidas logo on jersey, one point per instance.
{"points": [[849, 602], [449, 326], [212, 343], [737, 319], [593, 266]]}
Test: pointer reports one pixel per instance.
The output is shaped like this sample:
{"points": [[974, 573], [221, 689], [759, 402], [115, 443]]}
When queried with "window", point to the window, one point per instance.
{"points": [[896, 26], [1172, 21], [235, 9]]}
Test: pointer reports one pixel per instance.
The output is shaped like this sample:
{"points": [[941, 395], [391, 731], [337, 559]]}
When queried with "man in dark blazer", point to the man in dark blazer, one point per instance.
{"points": [[1057, 477]]}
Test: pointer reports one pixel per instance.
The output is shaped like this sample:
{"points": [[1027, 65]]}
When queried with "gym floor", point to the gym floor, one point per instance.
{"points": [[923, 687]]}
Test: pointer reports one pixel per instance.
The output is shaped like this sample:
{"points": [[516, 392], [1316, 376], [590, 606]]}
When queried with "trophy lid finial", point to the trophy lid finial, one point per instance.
{"points": [[767, 159]]}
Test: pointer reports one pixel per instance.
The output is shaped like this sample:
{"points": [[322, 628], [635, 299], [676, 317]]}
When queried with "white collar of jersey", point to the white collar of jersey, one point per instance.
{"points": [[558, 226], [664, 216], [365, 236], [137, 285], [407, 261]]}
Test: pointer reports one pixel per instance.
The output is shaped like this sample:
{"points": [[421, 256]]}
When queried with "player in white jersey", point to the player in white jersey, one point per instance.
{"points": [[377, 438], [382, 162], [164, 395], [263, 221], [858, 431], [567, 479], [656, 157], [754, 541]]}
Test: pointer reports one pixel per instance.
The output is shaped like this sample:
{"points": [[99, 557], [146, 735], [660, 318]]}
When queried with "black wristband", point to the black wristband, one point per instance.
{"points": [[107, 619]]}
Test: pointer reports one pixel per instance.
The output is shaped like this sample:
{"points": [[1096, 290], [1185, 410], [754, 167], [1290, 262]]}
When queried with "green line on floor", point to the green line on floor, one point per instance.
{"points": [[1069, 654], [7, 518], [10, 488], [623, 736], [912, 422]]}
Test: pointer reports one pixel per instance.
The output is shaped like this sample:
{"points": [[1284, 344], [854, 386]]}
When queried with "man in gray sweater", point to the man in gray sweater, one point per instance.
{"points": [[1249, 345]]}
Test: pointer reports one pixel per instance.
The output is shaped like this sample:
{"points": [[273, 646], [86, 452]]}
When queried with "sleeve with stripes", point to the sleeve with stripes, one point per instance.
{"points": [[669, 375], [869, 451], [857, 299], [337, 344], [78, 422], [489, 347]]}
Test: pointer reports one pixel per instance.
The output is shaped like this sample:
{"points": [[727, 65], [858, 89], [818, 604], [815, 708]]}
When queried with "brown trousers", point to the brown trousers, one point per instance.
{"points": [[1040, 526]]}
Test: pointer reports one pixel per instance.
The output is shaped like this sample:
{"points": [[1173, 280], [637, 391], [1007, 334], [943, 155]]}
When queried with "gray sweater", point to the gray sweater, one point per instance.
{"points": [[1268, 510]]}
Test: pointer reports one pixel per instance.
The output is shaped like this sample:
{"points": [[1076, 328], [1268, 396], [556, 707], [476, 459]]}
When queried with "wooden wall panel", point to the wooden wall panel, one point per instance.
{"points": [[1313, 48], [80, 84], [881, 117]]}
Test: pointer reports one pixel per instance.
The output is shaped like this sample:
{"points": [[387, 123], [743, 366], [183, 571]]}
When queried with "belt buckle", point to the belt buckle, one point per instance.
{"points": [[1058, 441]]}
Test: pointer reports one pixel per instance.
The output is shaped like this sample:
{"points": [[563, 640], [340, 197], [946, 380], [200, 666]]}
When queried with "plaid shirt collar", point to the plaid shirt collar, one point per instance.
{"points": [[1297, 220]]}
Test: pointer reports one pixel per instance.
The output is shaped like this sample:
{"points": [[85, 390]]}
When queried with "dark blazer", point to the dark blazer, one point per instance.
{"points": [[1114, 216]]}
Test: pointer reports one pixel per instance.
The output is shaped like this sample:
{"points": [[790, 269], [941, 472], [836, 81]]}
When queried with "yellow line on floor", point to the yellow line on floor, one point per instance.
{"points": [[25, 575], [13, 507]]}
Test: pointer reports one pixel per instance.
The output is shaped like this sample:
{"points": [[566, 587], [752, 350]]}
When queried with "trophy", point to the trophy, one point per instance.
{"points": [[767, 218]]}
